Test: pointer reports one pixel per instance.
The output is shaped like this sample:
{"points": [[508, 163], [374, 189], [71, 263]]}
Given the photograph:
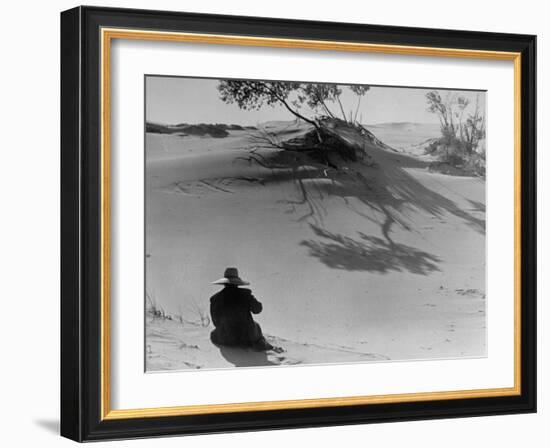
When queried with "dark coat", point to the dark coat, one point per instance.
{"points": [[231, 310]]}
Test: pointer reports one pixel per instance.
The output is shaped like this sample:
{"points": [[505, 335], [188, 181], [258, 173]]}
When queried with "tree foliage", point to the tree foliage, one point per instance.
{"points": [[294, 96], [309, 102], [456, 131]]}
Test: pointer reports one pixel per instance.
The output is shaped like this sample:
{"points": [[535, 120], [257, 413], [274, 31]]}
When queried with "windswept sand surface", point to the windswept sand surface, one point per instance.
{"points": [[355, 265], [172, 345]]}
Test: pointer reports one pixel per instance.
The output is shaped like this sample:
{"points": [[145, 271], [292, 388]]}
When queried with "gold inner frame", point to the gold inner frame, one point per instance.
{"points": [[107, 35]]}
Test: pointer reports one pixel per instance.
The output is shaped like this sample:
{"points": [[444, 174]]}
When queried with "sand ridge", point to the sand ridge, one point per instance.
{"points": [[358, 257]]}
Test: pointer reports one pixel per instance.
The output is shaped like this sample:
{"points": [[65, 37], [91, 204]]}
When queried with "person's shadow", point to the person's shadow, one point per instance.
{"points": [[243, 357]]}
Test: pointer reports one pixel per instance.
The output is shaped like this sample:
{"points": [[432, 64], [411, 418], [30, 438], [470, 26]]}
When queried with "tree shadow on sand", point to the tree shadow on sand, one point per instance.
{"points": [[387, 188], [388, 192], [368, 253]]}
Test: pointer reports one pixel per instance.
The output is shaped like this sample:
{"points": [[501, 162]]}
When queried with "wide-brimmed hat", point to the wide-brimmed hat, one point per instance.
{"points": [[231, 277]]}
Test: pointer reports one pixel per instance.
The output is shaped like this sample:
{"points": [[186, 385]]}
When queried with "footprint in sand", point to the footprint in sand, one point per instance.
{"points": [[471, 292]]}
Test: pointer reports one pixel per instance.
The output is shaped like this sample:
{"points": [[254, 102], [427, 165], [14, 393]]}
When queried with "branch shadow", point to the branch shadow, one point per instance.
{"points": [[388, 193], [368, 253], [477, 206], [393, 191], [386, 187]]}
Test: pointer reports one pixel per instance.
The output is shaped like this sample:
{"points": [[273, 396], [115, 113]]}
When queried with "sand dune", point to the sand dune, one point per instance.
{"points": [[406, 137], [384, 260]]}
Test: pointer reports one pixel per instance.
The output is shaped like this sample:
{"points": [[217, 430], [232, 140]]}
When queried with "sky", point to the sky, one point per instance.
{"points": [[172, 100]]}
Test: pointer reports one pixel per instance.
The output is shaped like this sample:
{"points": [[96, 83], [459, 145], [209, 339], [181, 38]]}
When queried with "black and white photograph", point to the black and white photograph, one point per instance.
{"points": [[293, 223], [275, 224]]}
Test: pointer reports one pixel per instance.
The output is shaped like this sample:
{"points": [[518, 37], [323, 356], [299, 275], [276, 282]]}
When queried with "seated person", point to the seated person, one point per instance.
{"points": [[231, 310]]}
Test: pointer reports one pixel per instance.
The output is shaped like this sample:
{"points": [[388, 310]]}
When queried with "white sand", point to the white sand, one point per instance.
{"points": [[386, 262]]}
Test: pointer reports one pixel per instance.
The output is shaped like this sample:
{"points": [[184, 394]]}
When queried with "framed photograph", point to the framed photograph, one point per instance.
{"points": [[272, 223]]}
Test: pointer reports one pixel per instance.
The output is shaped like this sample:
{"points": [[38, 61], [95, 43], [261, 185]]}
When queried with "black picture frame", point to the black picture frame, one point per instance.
{"points": [[81, 414]]}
